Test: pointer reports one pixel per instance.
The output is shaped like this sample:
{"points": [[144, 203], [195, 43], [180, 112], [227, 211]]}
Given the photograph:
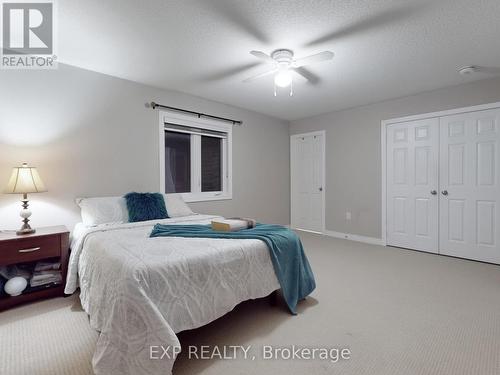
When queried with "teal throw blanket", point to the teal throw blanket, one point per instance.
{"points": [[287, 254]]}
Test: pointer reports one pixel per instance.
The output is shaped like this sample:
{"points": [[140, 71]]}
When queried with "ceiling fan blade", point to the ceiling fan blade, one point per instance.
{"points": [[263, 56], [318, 57], [238, 15], [226, 73], [307, 74], [372, 22], [264, 74], [488, 69]]}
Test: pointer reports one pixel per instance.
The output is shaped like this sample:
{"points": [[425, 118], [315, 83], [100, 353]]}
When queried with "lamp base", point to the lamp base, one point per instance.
{"points": [[25, 214], [24, 231]]}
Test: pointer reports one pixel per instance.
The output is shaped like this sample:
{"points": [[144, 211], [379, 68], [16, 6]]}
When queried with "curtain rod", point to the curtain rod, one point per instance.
{"points": [[235, 122]]}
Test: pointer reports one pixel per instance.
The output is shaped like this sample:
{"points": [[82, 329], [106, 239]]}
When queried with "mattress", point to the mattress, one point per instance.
{"points": [[140, 291]]}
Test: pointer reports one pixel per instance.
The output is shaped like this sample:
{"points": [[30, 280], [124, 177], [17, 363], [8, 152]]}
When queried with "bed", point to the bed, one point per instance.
{"points": [[140, 291]]}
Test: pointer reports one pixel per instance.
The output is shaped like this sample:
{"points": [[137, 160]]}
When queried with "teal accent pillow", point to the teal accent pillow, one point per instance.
{"points": [[145, 206]]}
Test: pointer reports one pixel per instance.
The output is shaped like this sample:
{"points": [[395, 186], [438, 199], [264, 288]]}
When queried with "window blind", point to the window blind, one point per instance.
{"points": [[192, 130]]}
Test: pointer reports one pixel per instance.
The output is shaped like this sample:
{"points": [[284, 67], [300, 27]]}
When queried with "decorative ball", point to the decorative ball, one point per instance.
{"points": [[25, 213], [15, 286]]}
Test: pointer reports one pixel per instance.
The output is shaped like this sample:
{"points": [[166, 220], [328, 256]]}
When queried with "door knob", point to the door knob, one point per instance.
{"points": [[321, 189], [434, 192], [444, 192]]}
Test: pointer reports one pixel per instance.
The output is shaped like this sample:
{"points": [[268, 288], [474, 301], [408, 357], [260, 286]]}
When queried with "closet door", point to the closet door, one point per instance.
{"points": [[412, 185], [470, 188]]}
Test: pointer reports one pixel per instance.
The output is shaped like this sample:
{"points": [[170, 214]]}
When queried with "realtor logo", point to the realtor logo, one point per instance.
{"points": [[28, 35]]}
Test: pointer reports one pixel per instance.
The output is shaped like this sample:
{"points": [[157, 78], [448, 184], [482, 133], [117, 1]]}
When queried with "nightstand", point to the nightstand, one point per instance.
{"points": [[48, 243]]}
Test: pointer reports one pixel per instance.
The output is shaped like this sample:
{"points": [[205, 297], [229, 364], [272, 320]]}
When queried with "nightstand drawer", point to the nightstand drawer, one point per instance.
{"points": [[29, 249]]}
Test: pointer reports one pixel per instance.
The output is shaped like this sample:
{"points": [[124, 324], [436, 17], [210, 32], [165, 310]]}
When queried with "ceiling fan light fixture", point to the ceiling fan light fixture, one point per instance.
{"points": [[283, 78], [283, 66]]}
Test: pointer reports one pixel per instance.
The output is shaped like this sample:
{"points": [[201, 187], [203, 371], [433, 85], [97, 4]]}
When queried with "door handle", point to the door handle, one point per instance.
{"points": [[444, 192], [321, 189], [434, 192]]}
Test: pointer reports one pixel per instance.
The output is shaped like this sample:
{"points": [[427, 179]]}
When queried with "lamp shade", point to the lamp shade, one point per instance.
{"points": [[25, 180]]}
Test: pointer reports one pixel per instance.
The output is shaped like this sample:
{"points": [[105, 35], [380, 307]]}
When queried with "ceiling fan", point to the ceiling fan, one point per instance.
{"points": [[283, 59], [283, 65]]}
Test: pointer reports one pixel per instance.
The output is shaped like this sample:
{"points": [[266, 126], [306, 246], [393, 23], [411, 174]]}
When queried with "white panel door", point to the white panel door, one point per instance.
{"points": [[307, 181], [413, 184], [470, 186]]}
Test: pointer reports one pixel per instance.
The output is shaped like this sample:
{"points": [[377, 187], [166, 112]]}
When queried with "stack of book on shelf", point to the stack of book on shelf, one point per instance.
{"points": [[46, 274]]}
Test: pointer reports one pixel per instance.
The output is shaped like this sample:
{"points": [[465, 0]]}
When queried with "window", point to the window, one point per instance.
{"points": [[211, 163], [177, 162], [195, 157]]}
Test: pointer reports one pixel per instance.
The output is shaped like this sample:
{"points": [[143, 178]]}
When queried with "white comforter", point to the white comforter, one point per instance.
{"points": [[140, 291]]}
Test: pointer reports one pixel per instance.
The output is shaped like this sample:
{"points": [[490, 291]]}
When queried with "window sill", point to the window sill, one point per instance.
{"points": [[190, 198]]}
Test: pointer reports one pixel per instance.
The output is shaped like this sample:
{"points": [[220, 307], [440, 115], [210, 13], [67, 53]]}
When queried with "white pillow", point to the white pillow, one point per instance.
{"points": [[103, 210], [176, 207]]}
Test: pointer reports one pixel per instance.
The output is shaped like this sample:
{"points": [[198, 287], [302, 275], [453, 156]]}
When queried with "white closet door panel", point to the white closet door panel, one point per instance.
{"points": [[412, 177], [470, 185]]}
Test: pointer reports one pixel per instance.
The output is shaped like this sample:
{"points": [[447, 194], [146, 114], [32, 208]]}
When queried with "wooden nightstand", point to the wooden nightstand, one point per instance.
{"points": [[48, 243]]}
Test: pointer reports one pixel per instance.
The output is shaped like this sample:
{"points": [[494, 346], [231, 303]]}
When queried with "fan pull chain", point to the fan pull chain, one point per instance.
{"points": [[275, 93], [291, 88]]}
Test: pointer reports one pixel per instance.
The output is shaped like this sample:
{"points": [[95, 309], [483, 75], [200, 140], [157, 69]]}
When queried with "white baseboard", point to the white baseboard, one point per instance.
{"points": [[354, 237]]}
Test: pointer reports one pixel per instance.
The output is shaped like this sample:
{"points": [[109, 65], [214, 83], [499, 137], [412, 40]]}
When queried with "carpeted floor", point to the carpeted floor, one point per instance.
{"points": [[399, 312]]}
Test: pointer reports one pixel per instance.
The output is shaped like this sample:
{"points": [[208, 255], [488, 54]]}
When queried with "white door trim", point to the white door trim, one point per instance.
{"points": [[383, 147], [323, 209], [455, 111]]}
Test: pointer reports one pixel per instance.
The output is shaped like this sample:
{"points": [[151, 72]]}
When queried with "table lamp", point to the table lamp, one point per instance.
{"points": [[25, 180]]}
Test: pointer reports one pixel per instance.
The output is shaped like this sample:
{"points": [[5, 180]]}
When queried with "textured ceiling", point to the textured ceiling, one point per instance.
{"points": [[383, 48]]}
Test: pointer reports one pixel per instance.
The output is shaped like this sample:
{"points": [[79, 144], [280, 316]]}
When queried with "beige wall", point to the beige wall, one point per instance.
{"points": [[91, 135], [353, 160]]}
